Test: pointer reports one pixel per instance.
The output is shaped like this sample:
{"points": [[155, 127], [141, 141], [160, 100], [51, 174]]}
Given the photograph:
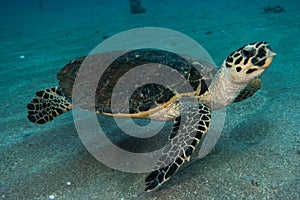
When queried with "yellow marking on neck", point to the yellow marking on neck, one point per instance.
{"points": [[148, 113]]}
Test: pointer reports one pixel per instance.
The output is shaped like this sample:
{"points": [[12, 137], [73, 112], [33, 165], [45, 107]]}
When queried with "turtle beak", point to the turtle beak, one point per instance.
{"points": [[270, 53]]}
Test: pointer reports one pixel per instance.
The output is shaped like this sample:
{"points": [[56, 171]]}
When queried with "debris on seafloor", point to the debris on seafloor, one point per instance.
{"points": [[208, 32], [104, 37], [273, 9], [136, 7]]}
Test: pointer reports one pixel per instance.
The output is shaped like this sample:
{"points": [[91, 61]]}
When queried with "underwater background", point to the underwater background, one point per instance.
{"points": [[258, 154]]}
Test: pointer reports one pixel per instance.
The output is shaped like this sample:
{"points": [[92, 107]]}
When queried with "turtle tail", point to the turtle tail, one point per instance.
{"points": [[46, 105]]}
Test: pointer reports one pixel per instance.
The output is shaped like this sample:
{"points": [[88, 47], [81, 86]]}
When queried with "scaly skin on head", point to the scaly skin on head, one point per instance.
{"points": [[237, 71]]}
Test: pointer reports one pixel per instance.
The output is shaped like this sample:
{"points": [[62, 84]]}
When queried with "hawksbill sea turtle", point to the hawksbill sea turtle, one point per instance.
{"points": [[213, 89]]}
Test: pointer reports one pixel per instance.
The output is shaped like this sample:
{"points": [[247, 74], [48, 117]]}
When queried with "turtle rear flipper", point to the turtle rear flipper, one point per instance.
{"points": [[46, 105], [183, 141]]}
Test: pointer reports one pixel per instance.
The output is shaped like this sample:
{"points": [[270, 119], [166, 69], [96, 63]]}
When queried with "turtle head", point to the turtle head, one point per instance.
{"points": [[249, 62]]}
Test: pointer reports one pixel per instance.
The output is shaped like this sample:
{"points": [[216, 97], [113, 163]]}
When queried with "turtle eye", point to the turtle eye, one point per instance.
{"points": [[248, 52]]}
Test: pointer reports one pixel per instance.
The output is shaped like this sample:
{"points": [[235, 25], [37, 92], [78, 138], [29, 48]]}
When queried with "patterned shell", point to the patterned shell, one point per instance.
{"points": [[152, 77]]}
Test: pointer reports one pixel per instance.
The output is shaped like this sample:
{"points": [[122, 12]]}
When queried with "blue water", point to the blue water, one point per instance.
{"points": [[257, 155]]}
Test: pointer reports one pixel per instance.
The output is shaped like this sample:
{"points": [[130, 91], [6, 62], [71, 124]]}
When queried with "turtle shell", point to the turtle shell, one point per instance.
{"points": [[138, 91]]}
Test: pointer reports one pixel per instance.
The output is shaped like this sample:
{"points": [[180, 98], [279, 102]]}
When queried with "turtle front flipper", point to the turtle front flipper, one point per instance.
{"points": [[46, 105], [195, 119], [249, 90]]}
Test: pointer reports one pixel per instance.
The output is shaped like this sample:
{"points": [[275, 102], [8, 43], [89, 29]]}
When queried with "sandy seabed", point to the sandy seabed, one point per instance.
{"points": [[257, 156]]}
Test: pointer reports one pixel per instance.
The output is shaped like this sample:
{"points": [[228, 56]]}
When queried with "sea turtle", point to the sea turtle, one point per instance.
{"points": [[237, 79]]}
